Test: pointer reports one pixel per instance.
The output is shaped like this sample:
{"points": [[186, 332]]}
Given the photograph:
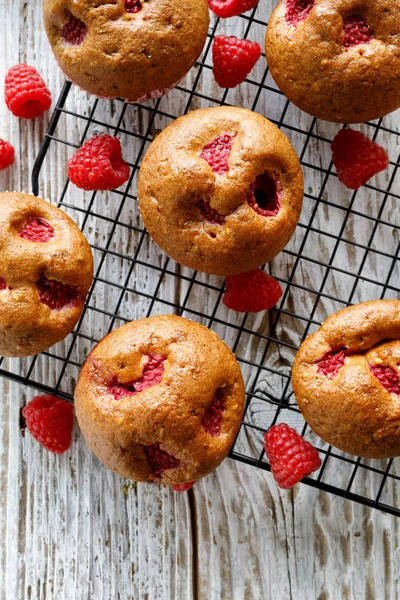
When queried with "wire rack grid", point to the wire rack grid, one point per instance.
{"points": [[345, 250]]}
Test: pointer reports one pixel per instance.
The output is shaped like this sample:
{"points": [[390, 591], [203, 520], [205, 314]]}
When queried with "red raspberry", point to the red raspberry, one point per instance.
{"points": [[74, 31], [152, 375], [133, 6], [357, 158], [210, 214], [50, 421], [331, 363], [25, 92], [160, 460], [388, 377], [37, 230], [57, 295], [6, 155], [183, 487], [3, 284], [291, 457], [233, 59], [98, 164], [213, 416], [253, 291], [356, 31], [265, 194], [298, 10], [231, 8], [217, 153]]}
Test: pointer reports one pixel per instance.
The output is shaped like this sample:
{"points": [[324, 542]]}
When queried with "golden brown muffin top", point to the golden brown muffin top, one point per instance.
{"points": [[346, 378], [160, 385]]}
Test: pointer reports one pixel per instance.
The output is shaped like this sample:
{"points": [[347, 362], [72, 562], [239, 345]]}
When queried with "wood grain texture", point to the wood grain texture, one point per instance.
{"points": [[71, 530]]}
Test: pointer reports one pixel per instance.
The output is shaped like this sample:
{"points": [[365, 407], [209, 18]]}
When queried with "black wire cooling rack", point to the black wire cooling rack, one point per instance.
{"points": [[345, 250]]}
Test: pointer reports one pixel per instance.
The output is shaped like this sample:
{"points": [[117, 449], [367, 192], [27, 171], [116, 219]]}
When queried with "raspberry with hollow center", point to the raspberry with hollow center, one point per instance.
{"points": [[98, 164], [160, 460], [3, 284], [233, 59], [331, 363], [50, 421], [264, 196], [152, 375], [37, 230], [212, 419], [55, 294], [387, 376], [217, 152], [357, 158], [6, 155], [356, 31], [291, 457], [298, 10], [183, 487], [231, 8], [74, 31], [25, 92], [253, 291], [210, 214], [133, 6]]}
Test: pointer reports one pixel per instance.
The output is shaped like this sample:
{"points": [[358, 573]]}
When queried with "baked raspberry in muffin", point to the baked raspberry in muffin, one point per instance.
{"points": [[338, 60], [346, 378], [46, 270], [134, 50], [160, 400], [220, 190]]}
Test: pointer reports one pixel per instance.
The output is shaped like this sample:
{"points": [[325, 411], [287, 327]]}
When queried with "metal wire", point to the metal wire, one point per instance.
{"points": [[316, 282]]}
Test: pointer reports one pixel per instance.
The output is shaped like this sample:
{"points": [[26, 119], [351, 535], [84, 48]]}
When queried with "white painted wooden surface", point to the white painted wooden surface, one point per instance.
{"points": [[72, 530]]}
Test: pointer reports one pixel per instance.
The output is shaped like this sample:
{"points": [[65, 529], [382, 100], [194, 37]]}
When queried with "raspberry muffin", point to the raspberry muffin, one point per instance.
{"points": [[160, 400], [346, 378], [220, 190], [338, 60], [131, 49], [46, 270]]}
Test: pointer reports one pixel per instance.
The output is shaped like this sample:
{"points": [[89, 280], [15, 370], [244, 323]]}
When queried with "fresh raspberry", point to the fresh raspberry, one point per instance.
{"points": [[37, 230], [210, 214], [388, 377], [25, 92], [6, 155], [57, 295], [98, 164], [152, 375], [233, 59], [298, 10], [291, 457], [265, 194], [217, 153], [253, 291], [50, 421], [3, 284], [183, 487], [74, 31], [231, 8], [331, 363], [213, 416], [160, 460], [357, 158], [356, 31], [133, 6]]}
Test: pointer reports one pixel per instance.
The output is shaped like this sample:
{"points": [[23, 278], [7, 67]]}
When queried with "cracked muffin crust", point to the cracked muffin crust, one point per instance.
{"points": [[220, 190], [337, 60], [122, 49], [46, 270], [346, 378], [160, 400]]}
